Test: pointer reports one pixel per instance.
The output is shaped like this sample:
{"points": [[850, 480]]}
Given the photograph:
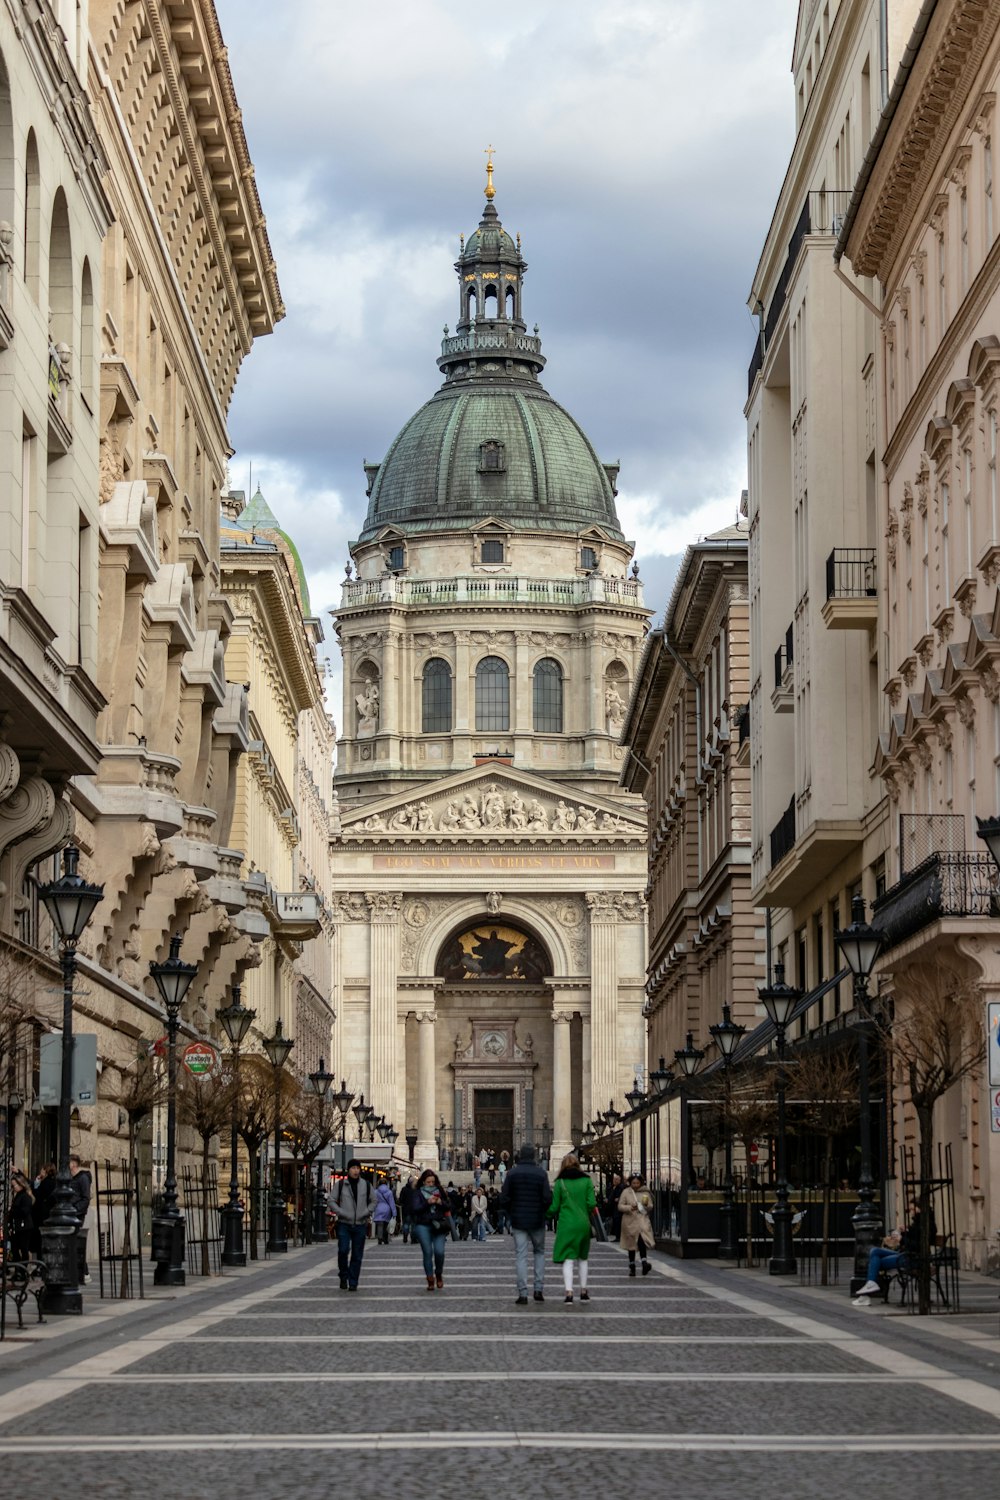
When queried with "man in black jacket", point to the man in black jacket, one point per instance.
{"points": [[525, 1198]]}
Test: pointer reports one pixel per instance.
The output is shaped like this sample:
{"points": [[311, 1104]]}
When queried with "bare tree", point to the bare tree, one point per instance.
{"points": [[143, 1087], [18, 996], [255, 1120], [204, 1102], [826, 1086], [309, 1123], [746, 1105], [936, 1038]]}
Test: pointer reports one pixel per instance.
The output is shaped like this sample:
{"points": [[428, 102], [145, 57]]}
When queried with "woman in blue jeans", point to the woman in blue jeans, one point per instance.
{"points": [[431, 1216]]}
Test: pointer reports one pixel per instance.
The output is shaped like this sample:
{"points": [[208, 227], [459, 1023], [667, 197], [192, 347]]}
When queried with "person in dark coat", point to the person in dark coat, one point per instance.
{"points": [[20, 1224], [614, 1193], [525, 1200], [80, 1188], [45, 1188]]}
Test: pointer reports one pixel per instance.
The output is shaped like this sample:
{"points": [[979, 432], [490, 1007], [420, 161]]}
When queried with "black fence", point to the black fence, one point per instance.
{"points": [[939, 1271], [783, 834], [200, 1198], [122, 1228]]}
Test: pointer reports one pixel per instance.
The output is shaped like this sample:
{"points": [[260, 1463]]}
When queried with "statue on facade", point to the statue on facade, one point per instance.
{"points": [[451, 817], [564, 818], [517, 817], [470, 818], [425, 817], [614, 707], [538, 818], [493, 808], [586, 819], [493, 900], [367, 702]]}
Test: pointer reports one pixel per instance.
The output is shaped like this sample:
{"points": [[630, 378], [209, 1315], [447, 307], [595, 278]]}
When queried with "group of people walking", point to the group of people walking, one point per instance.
{"points": [[527, 1201]]}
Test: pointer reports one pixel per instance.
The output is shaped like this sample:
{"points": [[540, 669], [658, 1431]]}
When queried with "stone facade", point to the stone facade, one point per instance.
{"points": [[155, 324], [819, 814], [281, 817], [54, 213], [687, 753], [490, 946], [923, 224]]}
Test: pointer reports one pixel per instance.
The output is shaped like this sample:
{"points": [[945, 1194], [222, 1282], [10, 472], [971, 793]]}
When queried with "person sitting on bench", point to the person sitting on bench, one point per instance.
{"points": [[888, 1255]]}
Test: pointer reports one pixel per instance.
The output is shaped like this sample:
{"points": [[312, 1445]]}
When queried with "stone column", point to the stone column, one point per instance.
{"points": [[383, 913], [586, 1096], [426, 1151], [603, 1000], [463, 689], [561, 1090]]}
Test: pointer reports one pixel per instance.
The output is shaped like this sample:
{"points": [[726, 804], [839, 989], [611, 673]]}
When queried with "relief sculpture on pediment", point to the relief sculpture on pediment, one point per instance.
{"points": [[491, 810]]}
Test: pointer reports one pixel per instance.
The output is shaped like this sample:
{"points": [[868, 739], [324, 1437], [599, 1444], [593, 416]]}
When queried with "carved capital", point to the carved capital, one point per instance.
{"points": [[383, 906], [561, 1017], [426, 1017], [602, 906]]}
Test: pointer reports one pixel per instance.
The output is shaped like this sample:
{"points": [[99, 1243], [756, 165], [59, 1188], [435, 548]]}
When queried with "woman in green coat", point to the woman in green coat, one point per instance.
{"points": [[573, 1201]]}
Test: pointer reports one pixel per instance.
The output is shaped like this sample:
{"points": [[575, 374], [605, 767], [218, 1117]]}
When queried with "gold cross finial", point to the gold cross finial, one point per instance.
{"points": [[490, 189]]}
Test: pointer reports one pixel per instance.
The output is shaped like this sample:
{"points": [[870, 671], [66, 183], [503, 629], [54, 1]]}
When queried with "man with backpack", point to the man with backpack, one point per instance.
{"points": [[525, 1199], [353, 1202]]}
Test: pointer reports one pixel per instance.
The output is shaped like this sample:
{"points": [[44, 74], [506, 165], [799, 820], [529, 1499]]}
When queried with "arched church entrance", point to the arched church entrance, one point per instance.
{"points": [[495, 1006]]}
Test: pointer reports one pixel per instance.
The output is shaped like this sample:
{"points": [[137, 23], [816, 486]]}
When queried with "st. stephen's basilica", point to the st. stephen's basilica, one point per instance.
{"points": [[490, 948]]}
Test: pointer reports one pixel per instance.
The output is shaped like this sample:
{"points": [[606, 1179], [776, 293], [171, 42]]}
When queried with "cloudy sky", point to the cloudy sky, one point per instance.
{"points": [[640, 145]]}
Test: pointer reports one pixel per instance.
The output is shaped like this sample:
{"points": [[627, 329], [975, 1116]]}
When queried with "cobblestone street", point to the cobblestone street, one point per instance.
{"points": [[720, 1384]]}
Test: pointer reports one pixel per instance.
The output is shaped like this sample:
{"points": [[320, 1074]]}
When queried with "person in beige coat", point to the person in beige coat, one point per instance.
{"points": [[637, 1232]]}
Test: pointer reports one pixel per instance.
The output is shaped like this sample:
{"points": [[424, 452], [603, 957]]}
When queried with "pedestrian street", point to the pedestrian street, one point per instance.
{"points": [[701, 1381]]}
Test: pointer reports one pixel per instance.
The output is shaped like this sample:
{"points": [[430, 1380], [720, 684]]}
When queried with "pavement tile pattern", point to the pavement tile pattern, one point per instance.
{"points": [[684, 1381]]}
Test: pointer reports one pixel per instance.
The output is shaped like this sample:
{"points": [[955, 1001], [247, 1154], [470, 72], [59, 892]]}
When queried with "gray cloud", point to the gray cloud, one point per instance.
{"points": [[640, 147]]}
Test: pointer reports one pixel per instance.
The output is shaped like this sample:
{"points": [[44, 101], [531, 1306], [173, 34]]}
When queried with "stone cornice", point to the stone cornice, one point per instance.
{"points": [[934, 99], [265, 576]]}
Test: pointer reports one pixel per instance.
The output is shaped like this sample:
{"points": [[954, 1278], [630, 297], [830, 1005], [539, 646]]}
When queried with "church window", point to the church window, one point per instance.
{"points": [[436, 696], [492, 550], [491, 457], [548, 697], [397, 559], [492, 694], [588, 558]]}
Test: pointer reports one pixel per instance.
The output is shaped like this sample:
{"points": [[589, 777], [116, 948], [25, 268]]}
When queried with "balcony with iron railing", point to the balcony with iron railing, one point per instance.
{"points": [[6, 280], [822, 214], [784, 659], [943, 885], [783, 834], [851, 589]]}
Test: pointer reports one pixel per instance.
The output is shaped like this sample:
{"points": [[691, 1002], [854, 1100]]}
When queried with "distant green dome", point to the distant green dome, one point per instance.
{"points": [[507, 451], [491, 442]]}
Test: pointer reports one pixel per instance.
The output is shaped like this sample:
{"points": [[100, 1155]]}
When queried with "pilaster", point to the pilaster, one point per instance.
{"points": [[383, 916], [603, 995]]}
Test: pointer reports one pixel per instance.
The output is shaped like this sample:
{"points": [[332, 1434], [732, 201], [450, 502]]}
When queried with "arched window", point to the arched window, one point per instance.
{"points": [[548, 697], [510, 302], [490, 302], [471, 305], [87, 366], [436, 697], [60, 273], [32, 215], [7, 183], [492, 694]]}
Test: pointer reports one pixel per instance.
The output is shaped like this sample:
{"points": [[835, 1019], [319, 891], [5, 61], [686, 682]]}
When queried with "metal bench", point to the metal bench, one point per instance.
{"points": [[24, 1279], [944, 1256]]}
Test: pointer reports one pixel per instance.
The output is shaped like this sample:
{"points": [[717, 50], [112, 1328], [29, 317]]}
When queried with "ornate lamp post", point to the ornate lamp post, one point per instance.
{"points": [[661, 1077], [726, 1035], [277, 1048], [235, 1020], [859, 946], [779, 1000], [70, 902], [636, 1098], [320, 1083], [411, 1141], [343, 1101], [687, 1059], [173, 980]]}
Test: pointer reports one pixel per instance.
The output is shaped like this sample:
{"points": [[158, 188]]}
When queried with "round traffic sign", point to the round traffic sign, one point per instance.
{"points": [[199, 1058]]}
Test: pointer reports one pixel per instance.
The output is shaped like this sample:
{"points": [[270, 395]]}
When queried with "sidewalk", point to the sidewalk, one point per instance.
{"points": [[977, 1323], [98, 1312]]}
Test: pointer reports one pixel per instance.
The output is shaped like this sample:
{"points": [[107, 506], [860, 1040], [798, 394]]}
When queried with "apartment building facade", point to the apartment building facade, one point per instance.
{"points": [[922, 225]]}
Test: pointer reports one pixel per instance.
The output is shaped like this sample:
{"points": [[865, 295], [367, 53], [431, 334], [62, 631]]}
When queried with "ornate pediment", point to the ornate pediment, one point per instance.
{"points": [[509, 806]]}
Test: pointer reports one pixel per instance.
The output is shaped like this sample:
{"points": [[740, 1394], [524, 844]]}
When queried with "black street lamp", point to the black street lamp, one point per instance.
{"points": [[689, 1056], [726, 1035], [235, 1020], [392, 1136], [70, 902], [277, 1048], [173, 980], [343, 1101], [661, 1077], [859, 946], [411, 1140], [320, 1083], [779, 1000]]}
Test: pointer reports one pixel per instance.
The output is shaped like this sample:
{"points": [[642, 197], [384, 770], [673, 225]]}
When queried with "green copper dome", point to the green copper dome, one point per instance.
{"points": [[491, 442]]}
